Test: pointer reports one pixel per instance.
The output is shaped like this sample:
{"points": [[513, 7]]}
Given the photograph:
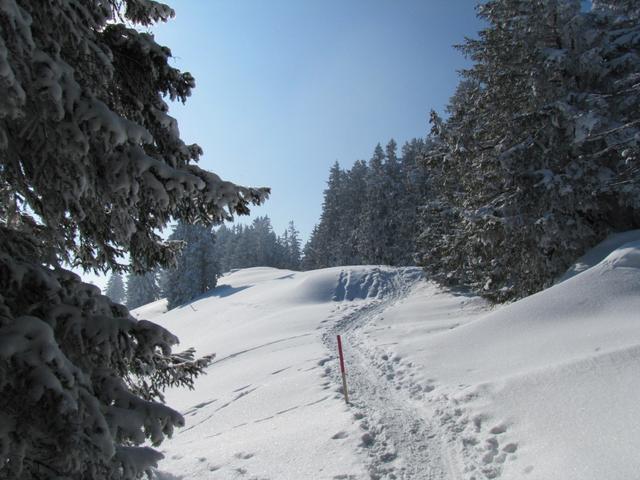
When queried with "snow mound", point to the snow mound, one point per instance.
{"points": [[600, 252], [351, 283], [627, 256], [366, 283]]}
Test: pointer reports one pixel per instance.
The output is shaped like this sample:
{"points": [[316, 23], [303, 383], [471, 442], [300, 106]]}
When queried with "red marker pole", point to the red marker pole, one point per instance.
{"points": [[342, 370]]}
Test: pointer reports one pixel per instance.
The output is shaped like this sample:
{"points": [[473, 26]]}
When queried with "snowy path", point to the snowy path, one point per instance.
{"points": [[398, 440]]}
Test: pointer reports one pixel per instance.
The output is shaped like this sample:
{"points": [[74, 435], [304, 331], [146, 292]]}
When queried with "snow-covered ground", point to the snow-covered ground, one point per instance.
{"points": [[442, 386]]}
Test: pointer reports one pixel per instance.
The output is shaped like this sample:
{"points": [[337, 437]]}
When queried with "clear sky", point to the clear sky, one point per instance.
{"points": [[284, 88]]}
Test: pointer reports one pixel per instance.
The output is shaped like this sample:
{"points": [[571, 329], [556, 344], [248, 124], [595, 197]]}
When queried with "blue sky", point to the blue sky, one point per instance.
{"points": [[287, 87]]}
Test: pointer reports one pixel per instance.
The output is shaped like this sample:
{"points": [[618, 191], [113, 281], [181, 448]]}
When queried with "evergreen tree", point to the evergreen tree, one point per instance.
{"points": [[369, 213], [196, 270], [330, 232], [292, 244], [142, 289], [332, 226], [115, 288], [352, 213], [371, 225], [263, 243], [225, 247], [91, 166], [619, 9], [413, 193], [312, 253], [257, 245], [394, 193], [281, 251], [539, 155]]}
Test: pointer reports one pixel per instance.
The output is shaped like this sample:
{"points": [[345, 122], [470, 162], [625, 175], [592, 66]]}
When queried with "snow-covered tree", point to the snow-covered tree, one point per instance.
{"points": [[196, 270], [257, 245], [538, 160], [374, 211], [394, 194], [263, 243], [312, 252], [330, 230], [91, 166], [369, 213], [225, 247], [412, 194], [293, 247], [142, 289], [355, 194], [620, 9], [115, 288]]}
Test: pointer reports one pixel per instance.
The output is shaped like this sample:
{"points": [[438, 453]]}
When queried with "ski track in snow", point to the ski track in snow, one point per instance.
{"points": [[398, 440]]}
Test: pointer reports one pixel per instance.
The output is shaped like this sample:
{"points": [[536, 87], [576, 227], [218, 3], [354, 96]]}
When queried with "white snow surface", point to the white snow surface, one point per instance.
{"points": [[442, 386]]}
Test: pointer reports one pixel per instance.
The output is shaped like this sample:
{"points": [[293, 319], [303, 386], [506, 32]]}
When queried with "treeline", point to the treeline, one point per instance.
{"points": [[205, 254], [369, 213], [257, 245], [535, 163]]}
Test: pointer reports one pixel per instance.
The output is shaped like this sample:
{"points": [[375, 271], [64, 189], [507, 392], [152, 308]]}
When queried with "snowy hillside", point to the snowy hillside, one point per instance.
{"points": [[442, 386]]}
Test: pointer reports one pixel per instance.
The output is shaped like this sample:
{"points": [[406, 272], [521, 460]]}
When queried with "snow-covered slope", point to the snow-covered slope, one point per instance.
{"points": [[442, 386], [553, 377]]}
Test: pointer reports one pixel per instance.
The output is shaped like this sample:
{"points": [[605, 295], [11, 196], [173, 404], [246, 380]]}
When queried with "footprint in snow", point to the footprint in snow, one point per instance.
{"points": [[244, 456], [477, 422], [498, 429], [387, 457], [367, 440], [323, 361], [510, 448]]}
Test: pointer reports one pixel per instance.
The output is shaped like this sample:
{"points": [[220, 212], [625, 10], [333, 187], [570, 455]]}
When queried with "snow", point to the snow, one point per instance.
{"points": [[597, 254], [150, 310], [442, 385]]}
